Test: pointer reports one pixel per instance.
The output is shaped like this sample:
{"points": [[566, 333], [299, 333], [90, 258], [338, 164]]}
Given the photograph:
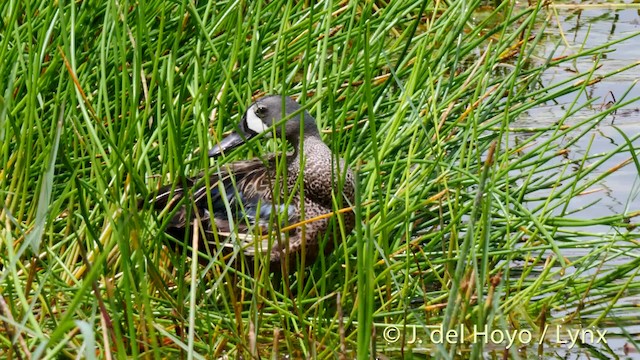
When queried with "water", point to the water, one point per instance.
{"points": [[590, 25], [586, 26], [572, 29]]}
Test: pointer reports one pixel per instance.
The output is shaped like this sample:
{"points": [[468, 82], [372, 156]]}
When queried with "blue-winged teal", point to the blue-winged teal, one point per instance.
{"points": [[260, 198]]}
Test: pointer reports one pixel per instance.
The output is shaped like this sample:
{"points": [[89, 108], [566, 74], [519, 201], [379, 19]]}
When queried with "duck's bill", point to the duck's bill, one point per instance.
{"points": [[232, 141]]}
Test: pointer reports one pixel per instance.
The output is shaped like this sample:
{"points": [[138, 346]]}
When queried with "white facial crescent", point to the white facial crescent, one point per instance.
{"points": [[254, 123]]}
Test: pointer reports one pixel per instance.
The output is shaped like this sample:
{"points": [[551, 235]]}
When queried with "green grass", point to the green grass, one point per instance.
{"points": [[463, 219]]}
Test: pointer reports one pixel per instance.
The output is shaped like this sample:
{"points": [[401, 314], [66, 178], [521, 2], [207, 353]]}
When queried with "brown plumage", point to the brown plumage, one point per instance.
{"points": [[262, 202]]}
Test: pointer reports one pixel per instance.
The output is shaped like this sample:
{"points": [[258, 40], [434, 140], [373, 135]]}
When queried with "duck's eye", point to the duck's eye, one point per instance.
{"points": [[261, 111]]}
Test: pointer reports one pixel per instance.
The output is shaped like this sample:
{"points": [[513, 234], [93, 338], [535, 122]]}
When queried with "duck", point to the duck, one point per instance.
{"points": [[286, 207]]}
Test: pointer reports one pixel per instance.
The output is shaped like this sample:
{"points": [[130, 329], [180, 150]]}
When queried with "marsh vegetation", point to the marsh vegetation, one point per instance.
{"points": [[473, 202]]}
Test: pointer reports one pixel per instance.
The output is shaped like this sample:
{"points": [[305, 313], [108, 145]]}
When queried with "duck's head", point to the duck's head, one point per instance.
{"points": [[262, 115]]}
